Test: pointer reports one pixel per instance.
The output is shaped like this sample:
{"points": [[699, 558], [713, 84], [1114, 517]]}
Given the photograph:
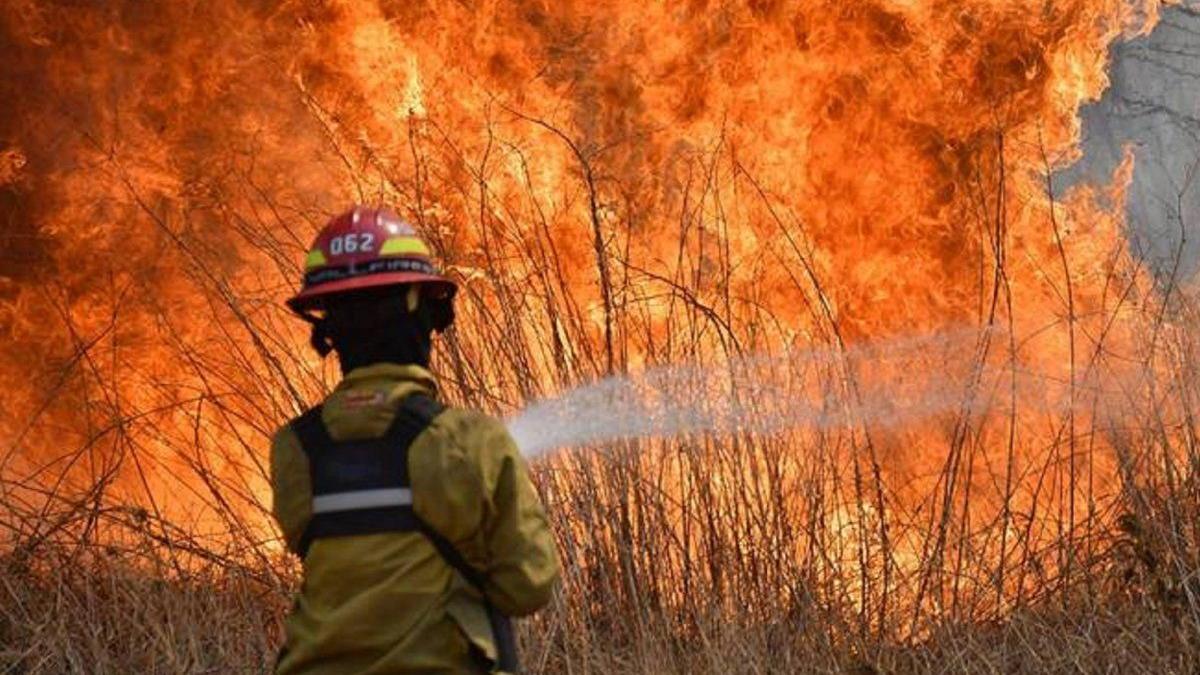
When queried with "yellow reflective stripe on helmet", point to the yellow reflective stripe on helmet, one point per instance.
{"points": [[316, 258], [402, 245]]}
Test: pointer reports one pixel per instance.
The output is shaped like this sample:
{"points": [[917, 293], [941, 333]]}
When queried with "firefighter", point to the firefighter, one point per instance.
{"points": [[418, 526]]}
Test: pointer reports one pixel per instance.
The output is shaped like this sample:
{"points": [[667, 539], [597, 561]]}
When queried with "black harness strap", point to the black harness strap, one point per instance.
{"points": [[507, 659], [370, 464]]}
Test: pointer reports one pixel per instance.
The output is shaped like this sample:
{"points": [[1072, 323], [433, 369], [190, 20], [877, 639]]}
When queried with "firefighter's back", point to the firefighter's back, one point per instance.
{"points": [[388, 602]]}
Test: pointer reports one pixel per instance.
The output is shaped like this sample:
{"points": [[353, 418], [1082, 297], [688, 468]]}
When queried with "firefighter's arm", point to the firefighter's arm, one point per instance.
{"points": [[291, 486], [523, 563], [471, 485]]}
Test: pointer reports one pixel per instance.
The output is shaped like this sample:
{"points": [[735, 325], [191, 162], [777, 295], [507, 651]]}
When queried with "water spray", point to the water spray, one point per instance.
{"points": [[884, 384], [881, 384]]}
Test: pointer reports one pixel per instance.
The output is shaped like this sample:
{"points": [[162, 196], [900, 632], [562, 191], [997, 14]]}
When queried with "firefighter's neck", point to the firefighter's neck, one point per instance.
{"points": [[350, 365]]}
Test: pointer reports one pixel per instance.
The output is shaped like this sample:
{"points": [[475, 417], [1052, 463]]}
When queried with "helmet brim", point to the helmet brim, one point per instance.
{"points": [[312, 298]]}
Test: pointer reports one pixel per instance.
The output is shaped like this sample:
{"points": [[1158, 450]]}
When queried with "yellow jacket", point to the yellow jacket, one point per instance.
{"points": [[387, 603]]}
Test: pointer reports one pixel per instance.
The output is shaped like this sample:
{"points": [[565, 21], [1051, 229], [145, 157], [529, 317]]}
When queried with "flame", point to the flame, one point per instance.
{"points": [[11, 163], [619, 184]]}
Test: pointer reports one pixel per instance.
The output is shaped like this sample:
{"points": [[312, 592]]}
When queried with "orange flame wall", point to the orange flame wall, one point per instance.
{"points": [[604, 175]]}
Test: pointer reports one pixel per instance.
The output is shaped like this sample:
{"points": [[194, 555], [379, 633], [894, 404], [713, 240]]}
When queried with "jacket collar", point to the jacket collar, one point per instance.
{"points": [[390, 373]]}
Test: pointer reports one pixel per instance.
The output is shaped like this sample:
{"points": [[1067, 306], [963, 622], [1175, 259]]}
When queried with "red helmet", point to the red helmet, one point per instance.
{"points": [[366, 248]]}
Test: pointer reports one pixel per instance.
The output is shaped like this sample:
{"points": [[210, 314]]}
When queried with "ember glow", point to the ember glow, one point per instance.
{"points": [[618, 185]]}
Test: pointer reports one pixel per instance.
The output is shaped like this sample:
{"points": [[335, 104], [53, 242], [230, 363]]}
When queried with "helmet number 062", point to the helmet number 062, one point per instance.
{"points": [[354, 242]]}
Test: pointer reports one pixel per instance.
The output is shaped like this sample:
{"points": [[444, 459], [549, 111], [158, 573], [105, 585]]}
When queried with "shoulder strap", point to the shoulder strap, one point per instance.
{"points": [[311, 431], [451, 555], [420, 410], [415, 413], [423, 409]]}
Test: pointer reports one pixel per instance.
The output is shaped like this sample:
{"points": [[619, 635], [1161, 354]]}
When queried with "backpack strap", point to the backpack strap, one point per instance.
{"points": [[362, 487]]}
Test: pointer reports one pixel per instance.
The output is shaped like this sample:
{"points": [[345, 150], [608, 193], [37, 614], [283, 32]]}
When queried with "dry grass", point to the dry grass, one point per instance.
{"points": [[102, 615]]}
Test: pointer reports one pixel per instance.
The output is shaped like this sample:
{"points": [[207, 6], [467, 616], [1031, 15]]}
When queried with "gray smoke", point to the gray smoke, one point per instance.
{"points": [[1153, 105]]}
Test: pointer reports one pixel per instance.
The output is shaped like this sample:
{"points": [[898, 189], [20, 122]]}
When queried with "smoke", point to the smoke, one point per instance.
{"points": [[1152, 108]]}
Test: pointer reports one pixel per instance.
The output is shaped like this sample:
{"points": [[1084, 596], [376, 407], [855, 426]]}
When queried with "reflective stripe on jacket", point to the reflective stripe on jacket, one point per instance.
{"points": [[388, 603]]}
